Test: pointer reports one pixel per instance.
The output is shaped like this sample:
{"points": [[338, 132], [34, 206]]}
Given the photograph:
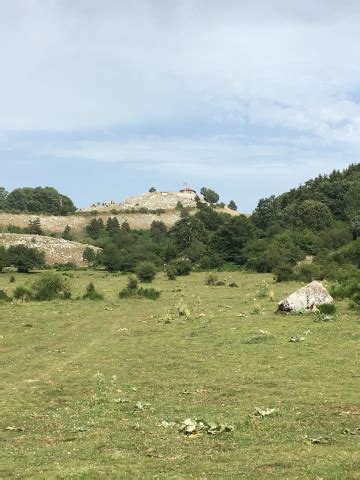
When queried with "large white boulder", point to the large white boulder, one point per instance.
{"points": [[306, 298]]}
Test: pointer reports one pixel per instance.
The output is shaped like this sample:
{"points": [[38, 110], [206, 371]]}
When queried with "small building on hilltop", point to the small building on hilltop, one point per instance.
{"points": [[187, 190]]}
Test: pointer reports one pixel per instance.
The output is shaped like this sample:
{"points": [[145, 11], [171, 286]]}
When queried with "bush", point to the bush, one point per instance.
{"points": [[22, 293], [146, 272], [149, 293], [4, 297], [211, 280], [65, 267], [51, 286], [181, 266], [92, 293], [283, 273], [12, 279], [233, 285], [25, 258], [132, 283], [171, 273], [350, 289], [327, 308]]}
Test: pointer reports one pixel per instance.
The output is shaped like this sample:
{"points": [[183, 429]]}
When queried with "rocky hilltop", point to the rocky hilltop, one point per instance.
{"points": [[57, 250]]}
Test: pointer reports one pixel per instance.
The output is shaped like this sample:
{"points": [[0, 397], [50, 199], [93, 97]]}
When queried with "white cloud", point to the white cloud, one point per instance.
{"points": [[91, 64]]}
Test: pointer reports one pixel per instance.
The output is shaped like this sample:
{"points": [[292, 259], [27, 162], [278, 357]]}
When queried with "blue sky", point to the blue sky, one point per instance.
{"points": [[103, 99]]}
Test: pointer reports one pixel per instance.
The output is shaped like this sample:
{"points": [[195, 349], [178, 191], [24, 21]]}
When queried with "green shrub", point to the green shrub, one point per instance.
{"points": [[92, 293], [65, 267], [132, 283], [350, 290], [283, 273], [327, 308], [51, 286], [171, 273], [146, 272], [149, 293], [4, 297], [12, 279], [233, 285], [181, 266], [211, 280], [22, 293]]}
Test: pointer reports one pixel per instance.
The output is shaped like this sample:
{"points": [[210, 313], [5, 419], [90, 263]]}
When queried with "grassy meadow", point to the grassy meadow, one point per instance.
{"points": [[100, 389]]}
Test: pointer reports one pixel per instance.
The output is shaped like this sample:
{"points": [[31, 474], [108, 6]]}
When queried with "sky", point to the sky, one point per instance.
{"points": [[103, 99]]}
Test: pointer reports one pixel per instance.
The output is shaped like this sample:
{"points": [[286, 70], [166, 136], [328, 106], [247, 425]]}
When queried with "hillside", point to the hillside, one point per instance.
{"points": [[57, 250], [139, 211]]}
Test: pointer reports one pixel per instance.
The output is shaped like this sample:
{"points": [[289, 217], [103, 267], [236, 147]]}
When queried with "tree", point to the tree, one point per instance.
{"points": [[232, 237], [355, 227], [152, 190], [313, 215], [67, 235], [25, 258], [95, 228], [232, 205], [209, 195], [39, 200], [34, 227], [125, 226], [146, 272], [4, 258], [89, 256], [112, 225], [266, 213], [186, 230], [3, 196], [158, 230]]}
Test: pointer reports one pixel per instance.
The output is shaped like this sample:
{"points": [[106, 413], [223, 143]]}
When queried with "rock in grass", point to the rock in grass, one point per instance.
{"points": [[306, 298]]}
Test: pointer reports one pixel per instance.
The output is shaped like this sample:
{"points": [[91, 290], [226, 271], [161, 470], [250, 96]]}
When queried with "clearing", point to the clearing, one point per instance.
{"points": [[100, 389]]}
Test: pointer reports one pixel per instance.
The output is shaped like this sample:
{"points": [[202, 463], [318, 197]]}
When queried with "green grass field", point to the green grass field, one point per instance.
{"points": [[87, 386]]}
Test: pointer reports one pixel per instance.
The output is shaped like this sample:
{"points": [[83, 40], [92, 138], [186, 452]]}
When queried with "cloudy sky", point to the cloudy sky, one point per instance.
{"points": [[105, 98]]}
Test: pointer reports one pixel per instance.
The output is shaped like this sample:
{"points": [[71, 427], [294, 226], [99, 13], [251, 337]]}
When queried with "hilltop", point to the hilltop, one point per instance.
{"points": [[139, 211]]}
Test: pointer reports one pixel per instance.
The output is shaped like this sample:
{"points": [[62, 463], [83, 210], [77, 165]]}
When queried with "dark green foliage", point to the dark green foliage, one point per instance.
{"points": [[22, 293], [158, 230], [186, 230], [347, 289], [95, 228], [355, 227], [283, 272], [25, 258], [171, 273], [89, 256], [232, 205], [51, 286], [3, 196], [146, 272], [327, 308], [34, 227], [112, 226], [313, 215], [133, 282], [4, 297], [38, 200], [230, 239], [125, 226], [65, 267], [209, 195], [180, 266], [92, 293], [4, 258], [67, 235], [12, 279], [233, 285], [149, 293]]}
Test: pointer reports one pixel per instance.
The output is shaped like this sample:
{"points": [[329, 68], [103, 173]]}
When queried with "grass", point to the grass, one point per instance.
{"points": [[93, 389]]}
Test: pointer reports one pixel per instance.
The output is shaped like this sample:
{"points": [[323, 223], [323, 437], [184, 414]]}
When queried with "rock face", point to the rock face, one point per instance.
{"points": [[306, 298]]}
